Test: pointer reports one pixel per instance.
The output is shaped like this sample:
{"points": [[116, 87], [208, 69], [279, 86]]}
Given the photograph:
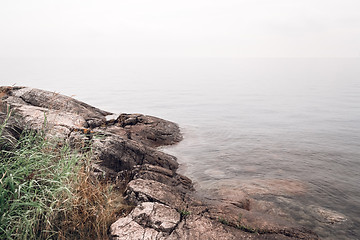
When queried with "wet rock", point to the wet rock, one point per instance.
{"points": [[255, 187], [328, 216]]}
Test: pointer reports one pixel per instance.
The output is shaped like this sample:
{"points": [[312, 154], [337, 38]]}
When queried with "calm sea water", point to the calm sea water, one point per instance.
{"points": [[243, 120]]}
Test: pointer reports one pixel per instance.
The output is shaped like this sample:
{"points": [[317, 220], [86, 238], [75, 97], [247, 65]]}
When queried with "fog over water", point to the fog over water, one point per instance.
{"points": [[266, 93], [160, 28]]}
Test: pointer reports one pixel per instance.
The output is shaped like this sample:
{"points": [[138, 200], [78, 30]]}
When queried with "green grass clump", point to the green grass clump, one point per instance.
{"points": [[34, 180], [47, 191]]}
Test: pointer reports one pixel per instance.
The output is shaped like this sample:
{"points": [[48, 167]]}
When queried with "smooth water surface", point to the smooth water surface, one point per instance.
{"points": [[243, 120]]}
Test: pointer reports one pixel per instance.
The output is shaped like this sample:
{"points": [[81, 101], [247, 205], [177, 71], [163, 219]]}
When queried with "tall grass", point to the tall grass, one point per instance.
{"points": [[47, 192]]}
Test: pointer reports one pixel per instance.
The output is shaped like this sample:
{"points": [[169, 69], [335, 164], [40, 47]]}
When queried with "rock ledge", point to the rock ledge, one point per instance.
{"points": [[166, 205]]}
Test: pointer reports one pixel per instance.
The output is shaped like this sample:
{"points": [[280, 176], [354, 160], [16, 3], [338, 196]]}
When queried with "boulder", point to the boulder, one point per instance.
{"points": [[148, 130], [118, 154], [56, 101], [150, 220]]}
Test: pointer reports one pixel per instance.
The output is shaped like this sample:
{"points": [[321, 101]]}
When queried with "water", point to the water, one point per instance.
{"points": [[245, 121]]}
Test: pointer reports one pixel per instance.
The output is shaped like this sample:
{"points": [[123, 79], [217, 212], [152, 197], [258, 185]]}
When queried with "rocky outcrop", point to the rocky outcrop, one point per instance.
{"points": [[166, 206], [148, 130]]}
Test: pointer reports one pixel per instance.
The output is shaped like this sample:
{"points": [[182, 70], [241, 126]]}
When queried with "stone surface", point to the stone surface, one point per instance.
{"points": [[118, 154], [199, 227], [150, 220], [163, 175], [151, 131], [56, 101], [328, 216], [141, 190]]}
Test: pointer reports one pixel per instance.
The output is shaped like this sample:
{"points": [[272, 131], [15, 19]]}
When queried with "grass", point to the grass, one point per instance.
{"points": [[47, 192], [184, 213]]}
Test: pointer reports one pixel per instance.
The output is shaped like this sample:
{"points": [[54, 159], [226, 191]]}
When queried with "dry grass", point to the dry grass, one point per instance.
{"points": [[95, 205], [48, 192], [62, 199]]}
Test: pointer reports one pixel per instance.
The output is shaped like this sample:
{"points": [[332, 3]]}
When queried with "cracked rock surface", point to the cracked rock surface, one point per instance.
{"points": [[166, 206], [148, 218]]}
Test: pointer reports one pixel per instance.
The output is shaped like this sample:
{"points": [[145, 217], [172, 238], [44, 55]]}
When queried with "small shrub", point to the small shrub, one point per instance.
{"points": [[184, 213]]}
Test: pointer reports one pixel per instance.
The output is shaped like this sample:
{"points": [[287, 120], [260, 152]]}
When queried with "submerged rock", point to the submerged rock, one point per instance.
{"points": [[328, 216]]}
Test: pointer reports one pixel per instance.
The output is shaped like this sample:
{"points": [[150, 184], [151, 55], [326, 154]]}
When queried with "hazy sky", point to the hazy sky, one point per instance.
{"points": [[166, 28]]}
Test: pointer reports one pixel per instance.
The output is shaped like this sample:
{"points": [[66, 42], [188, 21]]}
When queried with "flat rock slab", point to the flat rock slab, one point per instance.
{"points": [[56, 101], [148, 220], [140, 190]]}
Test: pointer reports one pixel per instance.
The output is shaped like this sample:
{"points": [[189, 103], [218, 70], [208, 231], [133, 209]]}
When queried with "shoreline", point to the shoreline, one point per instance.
{"points": [[125, 152]]}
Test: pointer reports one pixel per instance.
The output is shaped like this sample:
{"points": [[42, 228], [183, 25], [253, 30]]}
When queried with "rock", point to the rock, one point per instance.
{"points": [[157, 216], [163, 175], [148, 130], [141, 190], [280, 187], [124, 151], [199, 227], [328, 216], [119, 154], [127, 229], [149, 220], [54, 101]]}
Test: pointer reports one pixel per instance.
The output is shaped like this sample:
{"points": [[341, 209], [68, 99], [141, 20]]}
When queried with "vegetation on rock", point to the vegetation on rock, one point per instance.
{"points": [[47, 192]]}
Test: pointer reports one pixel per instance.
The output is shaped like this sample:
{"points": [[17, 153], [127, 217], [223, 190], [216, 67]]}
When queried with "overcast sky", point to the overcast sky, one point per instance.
{"points": [[166, 28]]}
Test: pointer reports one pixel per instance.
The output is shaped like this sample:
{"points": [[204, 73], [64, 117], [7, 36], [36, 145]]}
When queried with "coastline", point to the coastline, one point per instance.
{"points": [[166, 206]]}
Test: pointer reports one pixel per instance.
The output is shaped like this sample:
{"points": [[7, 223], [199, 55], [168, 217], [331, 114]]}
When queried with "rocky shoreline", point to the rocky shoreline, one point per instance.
{"points": [[124, 146]]}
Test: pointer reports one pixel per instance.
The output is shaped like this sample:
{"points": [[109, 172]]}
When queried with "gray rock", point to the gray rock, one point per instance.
{"points": [[141, 190], [127, 229], [119, 154], [55, 101], [148, 130], [149, 220], [199, 227], [156, 215], [163, 175]]}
